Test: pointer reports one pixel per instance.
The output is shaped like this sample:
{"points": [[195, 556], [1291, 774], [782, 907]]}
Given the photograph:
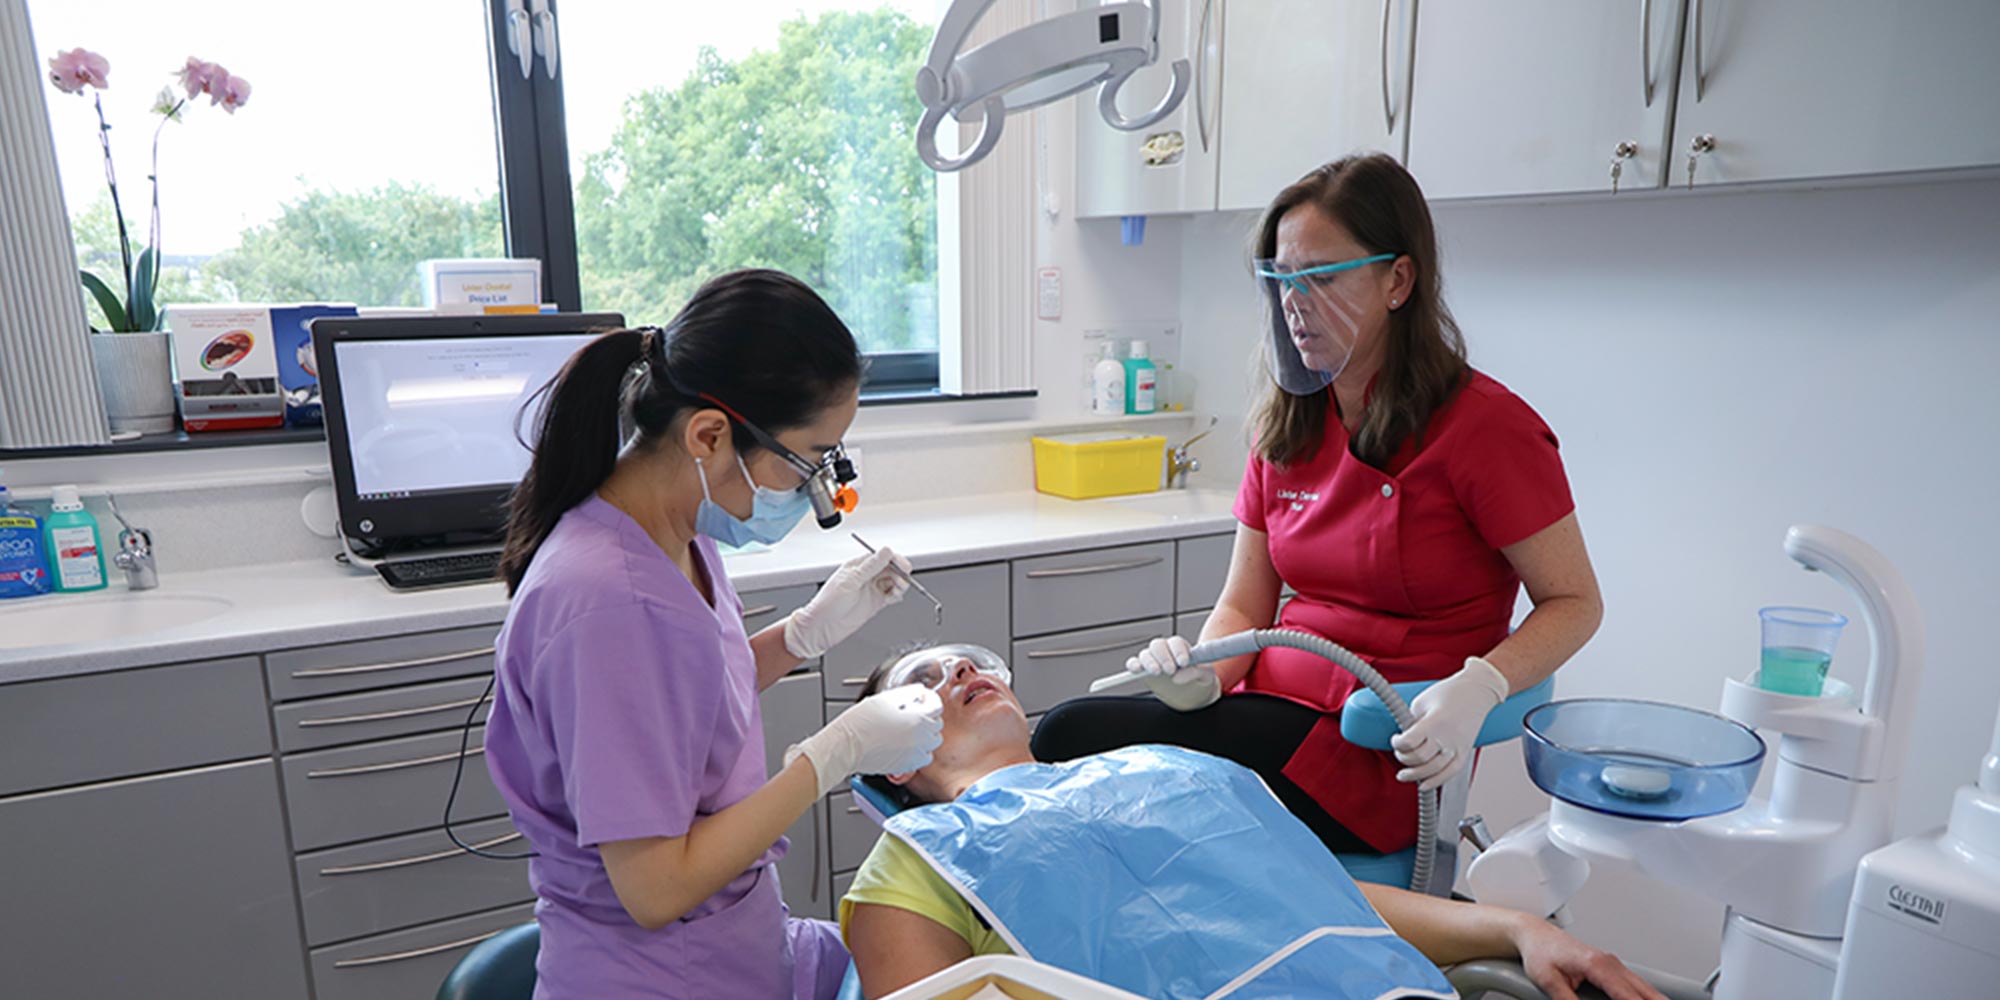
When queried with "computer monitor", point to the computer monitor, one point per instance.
{"points": [[421, 416]]}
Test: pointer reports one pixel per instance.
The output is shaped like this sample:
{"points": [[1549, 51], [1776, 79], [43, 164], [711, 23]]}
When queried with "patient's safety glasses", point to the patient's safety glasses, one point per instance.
{"points": [[1304, 280], [936, 666]]}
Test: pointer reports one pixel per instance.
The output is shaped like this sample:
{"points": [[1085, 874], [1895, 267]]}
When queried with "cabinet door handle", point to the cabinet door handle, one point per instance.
{"points": [[854, 810], [1700, 70], [371, 668], [1043, 574], [376, 866], [400, 713], [853, 682], [394, 765], [1388, 114], [1646, 50], [761, 609], [1201, 75], [353, 963], [1050, 654]]}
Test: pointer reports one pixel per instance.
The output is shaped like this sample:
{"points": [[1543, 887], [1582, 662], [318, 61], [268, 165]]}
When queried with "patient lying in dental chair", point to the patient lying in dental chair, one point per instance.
{"points": [[1161, 871]]}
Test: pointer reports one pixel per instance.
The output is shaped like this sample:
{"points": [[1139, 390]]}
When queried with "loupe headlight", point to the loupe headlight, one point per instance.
{"points": [[827, 488]]}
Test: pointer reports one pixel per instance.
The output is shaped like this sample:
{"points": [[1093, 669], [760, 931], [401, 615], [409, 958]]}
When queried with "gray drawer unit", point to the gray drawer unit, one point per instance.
{"points": [[73, 730], [406, 965], [377, 789], [379, 715], [791, 710], [1200, 567], [373, 663], [975, 603], [802, 871], [404, 881], [761, 608], [1055, 668], [841, 883], [1096, 587], [850, 833]]}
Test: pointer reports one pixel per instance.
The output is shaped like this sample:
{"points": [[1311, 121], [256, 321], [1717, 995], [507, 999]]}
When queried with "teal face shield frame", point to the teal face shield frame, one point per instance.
{"points": [[1296, 281]]}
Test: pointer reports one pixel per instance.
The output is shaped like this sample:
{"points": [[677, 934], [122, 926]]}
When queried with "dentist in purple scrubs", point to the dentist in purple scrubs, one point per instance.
{"points": [[625, 733]]}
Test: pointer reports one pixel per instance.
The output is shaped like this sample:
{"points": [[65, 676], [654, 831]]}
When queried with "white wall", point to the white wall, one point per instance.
{"points": [[1718, 367]]}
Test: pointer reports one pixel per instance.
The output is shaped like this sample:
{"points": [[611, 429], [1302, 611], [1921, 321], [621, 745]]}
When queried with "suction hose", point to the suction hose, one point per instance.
{"points": [[1243, 643]]}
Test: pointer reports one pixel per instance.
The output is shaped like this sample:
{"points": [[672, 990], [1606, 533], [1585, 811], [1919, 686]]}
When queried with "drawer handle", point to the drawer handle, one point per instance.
{"points": [[854, 810], [376, 866], [394, 765], [354, 963], [401, 713], [853, 682], [761, 609], [370, 668], [1042, 574], [1050, 654]]}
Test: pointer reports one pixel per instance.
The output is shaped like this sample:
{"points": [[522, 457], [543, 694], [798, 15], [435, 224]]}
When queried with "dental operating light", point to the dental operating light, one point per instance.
{"points": [[1043, 62]]}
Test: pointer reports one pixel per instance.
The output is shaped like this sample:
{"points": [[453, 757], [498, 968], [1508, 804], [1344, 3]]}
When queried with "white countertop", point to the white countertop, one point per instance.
{"points": [[203, 615]]}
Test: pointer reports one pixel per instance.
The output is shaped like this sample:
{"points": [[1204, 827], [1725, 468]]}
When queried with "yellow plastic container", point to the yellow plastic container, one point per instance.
{"points": [[1099, 464]]}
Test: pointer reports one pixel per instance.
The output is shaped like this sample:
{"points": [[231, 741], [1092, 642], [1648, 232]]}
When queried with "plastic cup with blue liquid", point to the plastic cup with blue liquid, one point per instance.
{"points": [[1798, 649]]}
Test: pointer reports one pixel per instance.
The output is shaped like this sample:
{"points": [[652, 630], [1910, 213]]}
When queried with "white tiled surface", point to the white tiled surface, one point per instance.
{"points": [[302, 603]]}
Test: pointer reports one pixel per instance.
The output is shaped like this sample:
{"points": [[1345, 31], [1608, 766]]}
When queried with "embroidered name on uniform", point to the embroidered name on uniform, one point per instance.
{"points": [[1298, 498]]}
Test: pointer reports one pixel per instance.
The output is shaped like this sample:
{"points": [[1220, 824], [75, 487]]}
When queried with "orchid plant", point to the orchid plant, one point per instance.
{"points": [[77, 69]]}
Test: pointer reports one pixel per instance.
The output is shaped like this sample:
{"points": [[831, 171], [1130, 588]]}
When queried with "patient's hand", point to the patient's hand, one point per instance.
{"points": [[893, 947], [1559, 963]]}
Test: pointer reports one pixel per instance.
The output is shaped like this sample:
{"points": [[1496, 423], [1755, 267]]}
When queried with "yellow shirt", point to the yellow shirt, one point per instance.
{"points": [[895, 875]]}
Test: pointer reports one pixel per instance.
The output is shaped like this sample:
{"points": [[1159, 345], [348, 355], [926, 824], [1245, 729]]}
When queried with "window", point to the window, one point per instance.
{"points": [[769, 133], [359, 152], [677, 141]]}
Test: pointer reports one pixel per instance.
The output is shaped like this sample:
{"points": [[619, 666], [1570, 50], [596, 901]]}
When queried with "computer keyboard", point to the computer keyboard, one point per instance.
{"points": [[440, 571]]}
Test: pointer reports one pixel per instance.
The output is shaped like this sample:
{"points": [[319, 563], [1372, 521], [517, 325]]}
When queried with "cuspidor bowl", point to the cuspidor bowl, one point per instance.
{"points": [[1641, 759]]}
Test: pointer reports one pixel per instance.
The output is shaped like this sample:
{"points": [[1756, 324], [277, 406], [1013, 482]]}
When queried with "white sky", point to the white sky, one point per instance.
{"points": [[339, 100]]}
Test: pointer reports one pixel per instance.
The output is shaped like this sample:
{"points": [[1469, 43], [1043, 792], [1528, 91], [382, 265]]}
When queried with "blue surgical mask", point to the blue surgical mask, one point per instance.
{"points": [[773, 513]]}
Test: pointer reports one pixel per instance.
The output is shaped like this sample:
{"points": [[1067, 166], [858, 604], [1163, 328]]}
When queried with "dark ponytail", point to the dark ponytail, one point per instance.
{"points": [[760, 341]]}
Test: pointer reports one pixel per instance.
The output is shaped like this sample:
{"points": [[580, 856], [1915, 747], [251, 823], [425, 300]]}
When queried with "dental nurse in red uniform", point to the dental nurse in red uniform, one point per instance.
{"points": [[1407, 497]]}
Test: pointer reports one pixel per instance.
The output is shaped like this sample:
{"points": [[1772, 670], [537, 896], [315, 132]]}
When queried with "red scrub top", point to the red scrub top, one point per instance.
{"points": [[1403, 567]]}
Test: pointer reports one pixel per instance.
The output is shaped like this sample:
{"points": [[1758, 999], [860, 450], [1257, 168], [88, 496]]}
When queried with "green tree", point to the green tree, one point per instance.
{"points": [[358, 247], [95, 231], [801, 157]]}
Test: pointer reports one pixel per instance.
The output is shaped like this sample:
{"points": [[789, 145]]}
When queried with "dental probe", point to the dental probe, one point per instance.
{"points": [[906, 578]]}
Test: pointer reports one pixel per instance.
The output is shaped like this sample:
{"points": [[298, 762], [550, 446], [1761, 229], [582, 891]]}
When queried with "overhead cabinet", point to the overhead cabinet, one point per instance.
{"points": [[1168, 167], [1543, 96], [1557, 97]]}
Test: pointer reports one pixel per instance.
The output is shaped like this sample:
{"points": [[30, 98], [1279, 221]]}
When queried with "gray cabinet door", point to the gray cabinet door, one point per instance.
{"points": [[1201, 566], [175, 886], [377, 789], [406, 965], [1094, 587], [73, 730], [403, 881], [975, 611], [850, 833], [384, 714], [791, 713]]}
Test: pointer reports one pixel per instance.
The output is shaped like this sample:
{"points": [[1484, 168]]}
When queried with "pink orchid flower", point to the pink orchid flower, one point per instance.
{"points": [[71, 71], [199, 77], [232, 93]]}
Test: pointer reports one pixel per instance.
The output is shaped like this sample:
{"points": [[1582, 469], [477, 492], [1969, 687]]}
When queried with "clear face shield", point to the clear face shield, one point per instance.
{"points": [[936, 666], [1312, 324]]}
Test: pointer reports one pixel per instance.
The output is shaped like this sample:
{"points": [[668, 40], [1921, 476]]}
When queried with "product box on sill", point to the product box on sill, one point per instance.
{"points": [[298, 372], [226, 366]]}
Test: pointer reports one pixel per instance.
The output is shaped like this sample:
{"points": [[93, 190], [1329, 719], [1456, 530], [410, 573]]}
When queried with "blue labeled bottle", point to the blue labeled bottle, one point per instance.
{"points": [[24, 564], [75, 556], [1142, 380]]}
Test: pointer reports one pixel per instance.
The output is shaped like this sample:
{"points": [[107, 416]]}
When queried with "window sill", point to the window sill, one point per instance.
{"points": [[177, 441]]}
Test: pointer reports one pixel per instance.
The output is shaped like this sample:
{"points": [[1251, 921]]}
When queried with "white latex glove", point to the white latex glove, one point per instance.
{"points": [[1187, 689], [1449, 714], [856, 592], [1163, 658], [889, 732]]}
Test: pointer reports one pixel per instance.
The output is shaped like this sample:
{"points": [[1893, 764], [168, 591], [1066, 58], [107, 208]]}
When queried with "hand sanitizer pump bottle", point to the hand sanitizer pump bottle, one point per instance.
{"points": [[75, 556], [1107, 384]]}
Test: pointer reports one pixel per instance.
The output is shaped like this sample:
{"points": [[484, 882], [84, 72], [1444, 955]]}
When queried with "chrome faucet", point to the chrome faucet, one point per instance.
{"points": [[1180, 461], [135, 552]]}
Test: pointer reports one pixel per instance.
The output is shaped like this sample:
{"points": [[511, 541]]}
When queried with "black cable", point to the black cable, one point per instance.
{"points": [[458, 772]]}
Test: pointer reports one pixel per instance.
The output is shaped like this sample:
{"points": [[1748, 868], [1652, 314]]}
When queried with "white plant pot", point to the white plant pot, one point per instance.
{"points": [[135, 373]]}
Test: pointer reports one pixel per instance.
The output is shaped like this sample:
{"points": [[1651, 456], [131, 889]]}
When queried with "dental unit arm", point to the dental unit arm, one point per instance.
{"points": [[1035, 65]]}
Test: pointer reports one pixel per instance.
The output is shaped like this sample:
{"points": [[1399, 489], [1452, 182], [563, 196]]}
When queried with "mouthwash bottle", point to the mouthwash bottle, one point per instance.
{"points": [[24, 564], [1142, 380], [74, 553]]}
